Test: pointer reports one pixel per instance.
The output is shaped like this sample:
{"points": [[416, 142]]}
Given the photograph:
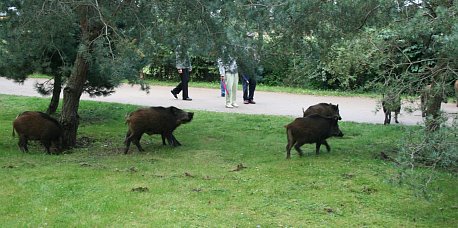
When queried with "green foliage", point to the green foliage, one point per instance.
{"points": [[33, 42], [351, 64], [431, 150], [198, 184]]}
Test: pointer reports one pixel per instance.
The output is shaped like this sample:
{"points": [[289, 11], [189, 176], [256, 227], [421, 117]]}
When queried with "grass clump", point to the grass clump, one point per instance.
{"points": [[230, 171]]}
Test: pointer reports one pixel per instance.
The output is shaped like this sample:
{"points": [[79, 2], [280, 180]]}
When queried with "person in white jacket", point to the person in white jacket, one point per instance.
{"points": [[229, 75]]}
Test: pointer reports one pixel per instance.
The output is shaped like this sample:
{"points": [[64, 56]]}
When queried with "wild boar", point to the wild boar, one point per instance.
{"points": [[39, 126], [323, 109], [391, 103], [311, 129], [155, 120]]}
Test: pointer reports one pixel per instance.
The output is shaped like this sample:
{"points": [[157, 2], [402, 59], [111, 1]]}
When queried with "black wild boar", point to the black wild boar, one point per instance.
{"points": [[391, 103], [311, 129], [155, 120], [323, 109], [38, 126]]}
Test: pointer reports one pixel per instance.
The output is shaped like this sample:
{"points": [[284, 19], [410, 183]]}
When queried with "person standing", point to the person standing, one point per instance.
{"points": [[249, 86], [229, 75], [183, 65], [248, 68]]}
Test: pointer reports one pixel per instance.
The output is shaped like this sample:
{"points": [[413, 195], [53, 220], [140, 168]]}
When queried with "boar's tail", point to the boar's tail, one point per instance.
{"points": [[13, 125], [289, 135]]}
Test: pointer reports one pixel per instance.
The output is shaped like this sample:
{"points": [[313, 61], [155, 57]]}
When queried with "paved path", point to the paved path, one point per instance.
{"points": [[356, 109]]}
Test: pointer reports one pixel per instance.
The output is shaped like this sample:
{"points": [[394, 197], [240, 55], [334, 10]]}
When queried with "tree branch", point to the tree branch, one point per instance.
{"points": [[367, 16]]}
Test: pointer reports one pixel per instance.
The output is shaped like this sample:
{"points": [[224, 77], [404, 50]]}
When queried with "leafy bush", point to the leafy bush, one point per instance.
{"points": [[429, 150]]}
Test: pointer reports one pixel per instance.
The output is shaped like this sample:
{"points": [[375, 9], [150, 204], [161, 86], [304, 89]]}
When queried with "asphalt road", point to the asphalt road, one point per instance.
{"points": [[355, 109]]}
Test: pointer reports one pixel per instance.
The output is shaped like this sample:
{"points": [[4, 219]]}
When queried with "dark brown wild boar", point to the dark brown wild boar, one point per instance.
{"points": [[155, 120], [311, 129], [391, 103], [323, 109], [38, 126]]}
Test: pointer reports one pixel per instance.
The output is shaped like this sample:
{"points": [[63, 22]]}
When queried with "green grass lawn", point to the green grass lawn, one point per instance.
{"points": [[198, 184]]}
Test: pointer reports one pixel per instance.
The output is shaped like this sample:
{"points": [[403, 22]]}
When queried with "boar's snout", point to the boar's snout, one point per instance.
{"points": [[339, 134], [335, 130], [189, 118]]}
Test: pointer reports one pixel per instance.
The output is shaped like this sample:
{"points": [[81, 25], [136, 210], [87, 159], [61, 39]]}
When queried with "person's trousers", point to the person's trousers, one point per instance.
{"points": [[231, 81], [183, 85], [249, 86]]}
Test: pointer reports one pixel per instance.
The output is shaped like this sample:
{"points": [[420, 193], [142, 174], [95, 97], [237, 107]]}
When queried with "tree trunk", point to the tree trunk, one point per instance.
{"points": [[72, 94], [55, 94], [75, 85], [434, 98]]}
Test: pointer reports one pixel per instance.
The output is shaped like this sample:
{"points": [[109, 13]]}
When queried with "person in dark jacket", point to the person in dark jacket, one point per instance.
{"points": [[183, 65]]}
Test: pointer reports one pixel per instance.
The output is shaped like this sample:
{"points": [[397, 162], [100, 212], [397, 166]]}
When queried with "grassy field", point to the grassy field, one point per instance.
{"points": [[199, 184]]}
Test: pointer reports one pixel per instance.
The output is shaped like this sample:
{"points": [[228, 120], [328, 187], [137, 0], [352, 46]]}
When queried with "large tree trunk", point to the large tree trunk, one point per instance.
{"points": [[75, 85], [55, 94], [432, 106], [72, 94]]}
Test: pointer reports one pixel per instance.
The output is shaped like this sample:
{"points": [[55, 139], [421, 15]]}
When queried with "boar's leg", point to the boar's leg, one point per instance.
{"points": [[175, 140], [135, 138], [127, 146], [288, 148], [163, 139], [387, 117], [127, 136], [328, 148], [318, 145], [127, 142], [23, 144], [298, 148], [291, 142], [288, 151], [136, 141], [57, 146], [46, 144], [171, 139]]}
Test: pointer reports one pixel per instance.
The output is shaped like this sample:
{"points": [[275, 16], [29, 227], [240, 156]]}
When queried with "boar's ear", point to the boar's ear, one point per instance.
{"points": [[173, 109], [303, 110]]}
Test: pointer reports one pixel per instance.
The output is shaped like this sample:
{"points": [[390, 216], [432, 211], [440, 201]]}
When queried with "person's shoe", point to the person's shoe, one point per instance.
{"points": [[229, 106], [187, 99], [252, 102], [174, 94], [246, 102], [223, 95], [235, 105]]}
